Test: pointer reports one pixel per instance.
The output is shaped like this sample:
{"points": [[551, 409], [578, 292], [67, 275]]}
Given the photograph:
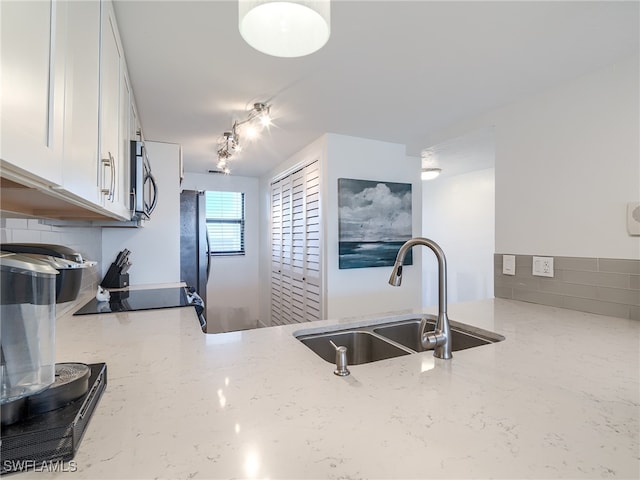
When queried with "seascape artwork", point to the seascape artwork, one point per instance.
{"points": [[374, 222]]}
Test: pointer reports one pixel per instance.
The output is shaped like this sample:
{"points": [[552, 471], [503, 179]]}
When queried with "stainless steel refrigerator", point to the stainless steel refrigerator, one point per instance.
{"points": [[195, 262]]}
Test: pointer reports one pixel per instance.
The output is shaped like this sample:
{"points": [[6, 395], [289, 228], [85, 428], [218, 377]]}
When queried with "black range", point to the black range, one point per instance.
{"points": [[132, 300]]}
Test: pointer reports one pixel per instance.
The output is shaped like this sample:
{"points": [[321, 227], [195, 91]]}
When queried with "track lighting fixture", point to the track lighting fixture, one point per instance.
{"points": [[259, 118]]}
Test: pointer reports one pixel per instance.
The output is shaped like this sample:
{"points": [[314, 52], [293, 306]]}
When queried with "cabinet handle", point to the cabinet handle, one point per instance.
{"points": [[113, 177], [111, 163], [106, 162], [132, 200]]}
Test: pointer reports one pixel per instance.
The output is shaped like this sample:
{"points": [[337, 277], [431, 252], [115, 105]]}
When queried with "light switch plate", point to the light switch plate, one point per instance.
{"points": [[542, 266], [508, 264]]}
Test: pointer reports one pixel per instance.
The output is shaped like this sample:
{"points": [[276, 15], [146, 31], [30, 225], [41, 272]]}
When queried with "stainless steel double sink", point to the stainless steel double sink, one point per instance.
{"points": [[379, 342]]}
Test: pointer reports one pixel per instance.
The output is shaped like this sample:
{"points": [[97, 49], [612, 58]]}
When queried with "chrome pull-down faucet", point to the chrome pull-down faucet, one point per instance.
{"points": [[440, 339]]}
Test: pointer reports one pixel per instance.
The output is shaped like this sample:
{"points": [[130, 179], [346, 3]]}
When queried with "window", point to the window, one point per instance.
{"points": [[225, 222]]}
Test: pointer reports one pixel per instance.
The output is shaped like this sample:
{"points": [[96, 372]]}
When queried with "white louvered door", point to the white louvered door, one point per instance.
{"points": [[295, 247], [276, 251], [312, 273]]}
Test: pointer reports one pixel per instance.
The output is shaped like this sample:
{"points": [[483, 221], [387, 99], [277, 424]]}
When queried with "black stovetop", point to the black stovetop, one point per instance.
{"points": [[131, 300]]}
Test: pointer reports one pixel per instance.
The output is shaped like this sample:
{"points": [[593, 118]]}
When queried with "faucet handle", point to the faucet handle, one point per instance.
{"points": [[426, 338], [341, 360], [430, 340], [423, 325]]}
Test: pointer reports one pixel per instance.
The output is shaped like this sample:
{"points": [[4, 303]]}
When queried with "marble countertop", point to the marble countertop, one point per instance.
{"points": [[559, 398]]}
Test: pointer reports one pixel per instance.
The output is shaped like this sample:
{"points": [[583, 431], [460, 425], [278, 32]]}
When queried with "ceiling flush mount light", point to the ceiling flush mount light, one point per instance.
{"points": [[429, 165], [285, 28], [430, 173], [229, 144]]}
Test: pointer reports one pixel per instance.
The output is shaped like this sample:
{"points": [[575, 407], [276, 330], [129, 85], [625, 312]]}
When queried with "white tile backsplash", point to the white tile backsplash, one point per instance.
{"points": [[52, 237], [35, 224], [20, 235], [14, 223]]}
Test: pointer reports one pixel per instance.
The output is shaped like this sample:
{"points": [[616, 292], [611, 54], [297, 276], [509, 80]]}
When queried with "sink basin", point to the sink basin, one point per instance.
{"points": [[388, 340], [362, 346], [407, 333]]}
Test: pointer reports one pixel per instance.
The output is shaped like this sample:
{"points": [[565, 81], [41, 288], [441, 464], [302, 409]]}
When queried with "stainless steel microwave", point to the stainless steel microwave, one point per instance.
{"points": [[144, 189]]}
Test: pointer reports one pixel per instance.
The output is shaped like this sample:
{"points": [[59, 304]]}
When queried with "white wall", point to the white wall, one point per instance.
{"points": [[155, 248], [567, 162], [458, 213], [233, 290], [366, 290]]}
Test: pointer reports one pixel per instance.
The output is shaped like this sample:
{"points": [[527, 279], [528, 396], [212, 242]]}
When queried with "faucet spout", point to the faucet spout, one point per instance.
{"points": [[441, 338]]}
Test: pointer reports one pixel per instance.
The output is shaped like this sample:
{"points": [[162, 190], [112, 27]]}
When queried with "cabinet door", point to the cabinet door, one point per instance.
{"points": [[32, 87], [82, 87], [110, 62], [113, 95], [135, 130], [122, 168]]}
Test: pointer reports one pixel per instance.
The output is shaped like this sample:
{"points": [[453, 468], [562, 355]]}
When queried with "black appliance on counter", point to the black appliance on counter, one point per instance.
{"points": [[66, 261], [195, 262], [44, 407], [144, 189]]}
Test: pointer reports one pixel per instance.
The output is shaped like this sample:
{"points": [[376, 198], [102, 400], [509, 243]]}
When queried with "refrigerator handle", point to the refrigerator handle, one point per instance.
{"points": [[208, 255]]}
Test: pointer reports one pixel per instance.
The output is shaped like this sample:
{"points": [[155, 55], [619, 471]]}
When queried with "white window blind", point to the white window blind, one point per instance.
{"points": [[225, 222]]}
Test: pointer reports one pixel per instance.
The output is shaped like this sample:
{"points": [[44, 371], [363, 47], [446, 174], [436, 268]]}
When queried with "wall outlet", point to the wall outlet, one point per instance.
{"points": [[542, 266], [508, 264]]}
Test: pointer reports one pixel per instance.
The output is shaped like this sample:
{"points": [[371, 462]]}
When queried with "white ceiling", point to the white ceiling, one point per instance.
{"points": [[472, 151], [392, 70]]}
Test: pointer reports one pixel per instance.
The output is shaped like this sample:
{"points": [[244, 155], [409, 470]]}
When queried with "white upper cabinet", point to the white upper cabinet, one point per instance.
{"points": [[32, 106], [124, 136], [115, 101], [67, 103], [82, 87], [135, 130]]}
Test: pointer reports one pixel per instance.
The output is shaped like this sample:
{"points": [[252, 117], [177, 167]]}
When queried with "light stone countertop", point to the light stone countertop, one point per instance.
{"points": [[559, 398]]}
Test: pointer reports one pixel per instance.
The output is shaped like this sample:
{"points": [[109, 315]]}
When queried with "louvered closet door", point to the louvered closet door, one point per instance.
{"points": [[297, 246], [312, 244], [285, 278], [295, 230], [276, 251]]}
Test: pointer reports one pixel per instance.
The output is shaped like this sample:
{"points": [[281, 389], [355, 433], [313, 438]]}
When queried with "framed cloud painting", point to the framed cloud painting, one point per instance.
{"points": [[374, 222]]}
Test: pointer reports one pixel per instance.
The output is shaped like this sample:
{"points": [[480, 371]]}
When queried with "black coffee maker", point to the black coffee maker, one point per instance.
{"points": [[44, 406], [69, 264]]}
